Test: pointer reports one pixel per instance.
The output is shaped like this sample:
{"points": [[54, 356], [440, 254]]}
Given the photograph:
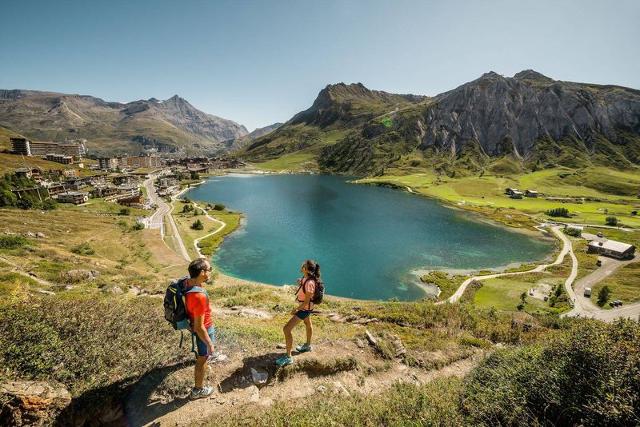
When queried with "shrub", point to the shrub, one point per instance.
{"points": [[124, 211], [49, 205], [12, 242], [138, 226], [218, 207], [25, 204], [187, 208], [611, 220], [197, 225], [585, 376], [603, 295], [558, 212], [83, 249], [574, 232]]}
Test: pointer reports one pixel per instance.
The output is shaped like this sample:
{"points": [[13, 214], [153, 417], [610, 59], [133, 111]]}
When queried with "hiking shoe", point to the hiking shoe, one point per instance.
{"points": [[197, 393], [284, 361], [304, 348]]}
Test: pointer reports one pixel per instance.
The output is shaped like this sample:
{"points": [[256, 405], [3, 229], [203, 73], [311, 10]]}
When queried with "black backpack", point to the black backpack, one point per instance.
{"points": [[175, 311]]}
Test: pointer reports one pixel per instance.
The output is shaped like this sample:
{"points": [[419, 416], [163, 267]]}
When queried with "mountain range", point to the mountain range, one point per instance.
{"points": [[172, 125], [504, 124]]}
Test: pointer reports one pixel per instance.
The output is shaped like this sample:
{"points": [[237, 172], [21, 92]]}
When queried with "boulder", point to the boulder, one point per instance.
{"points": [[80, 275], [32, 403]]}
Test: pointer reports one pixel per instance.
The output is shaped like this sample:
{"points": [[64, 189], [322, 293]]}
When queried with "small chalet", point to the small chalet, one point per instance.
{"points": [[611, 248]]}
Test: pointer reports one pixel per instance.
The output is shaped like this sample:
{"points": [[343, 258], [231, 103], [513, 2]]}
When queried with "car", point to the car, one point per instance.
{"points": [[617, 303], [587, 292], [599, 263], [600, 234]]}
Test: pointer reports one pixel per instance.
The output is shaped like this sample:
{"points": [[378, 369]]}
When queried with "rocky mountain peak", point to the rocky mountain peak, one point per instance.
{"points": [[531, 75]]}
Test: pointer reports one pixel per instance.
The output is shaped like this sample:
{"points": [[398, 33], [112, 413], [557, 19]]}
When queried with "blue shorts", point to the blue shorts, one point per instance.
{"points": [[201, 346], [303, 314]]}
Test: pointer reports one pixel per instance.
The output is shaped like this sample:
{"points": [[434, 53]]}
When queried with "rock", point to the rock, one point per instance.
{"points": [[135, 290], [336, 318], [116, 290], [340, 388], [32, 403], [281, 346], [252, 393], [29, 234], [360, 343], [266, 402], [217, 357], [400, 351], [371, 338], [259, 377], [351, 318], [40, 235], [321, 388], [80, 275], [42, 291]]}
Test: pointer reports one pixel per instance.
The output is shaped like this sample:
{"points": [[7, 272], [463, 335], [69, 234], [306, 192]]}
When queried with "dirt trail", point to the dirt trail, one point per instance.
{"points": [[342, 367]]}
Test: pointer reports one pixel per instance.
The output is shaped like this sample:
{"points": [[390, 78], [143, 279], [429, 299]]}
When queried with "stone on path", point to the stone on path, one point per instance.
{"points": [[32, 403]]}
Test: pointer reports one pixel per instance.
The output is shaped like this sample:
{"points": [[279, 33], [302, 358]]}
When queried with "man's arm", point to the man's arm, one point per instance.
{"points": [[201, 332]]}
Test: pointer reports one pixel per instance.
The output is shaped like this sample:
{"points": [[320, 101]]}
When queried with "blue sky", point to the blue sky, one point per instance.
{"points": [[258, 62]]}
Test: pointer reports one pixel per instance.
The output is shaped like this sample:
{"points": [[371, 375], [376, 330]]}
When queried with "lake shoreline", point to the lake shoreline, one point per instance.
{"points": [[426, 290]]}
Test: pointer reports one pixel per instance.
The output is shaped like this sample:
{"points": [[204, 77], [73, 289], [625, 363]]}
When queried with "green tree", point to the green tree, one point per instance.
{"points": [[603, 295], [558, 212], [197, 225], [611, 220]]}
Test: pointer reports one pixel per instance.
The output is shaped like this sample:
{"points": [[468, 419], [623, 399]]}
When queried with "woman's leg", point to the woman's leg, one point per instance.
{"points": [[309, 328], [288, 337]]}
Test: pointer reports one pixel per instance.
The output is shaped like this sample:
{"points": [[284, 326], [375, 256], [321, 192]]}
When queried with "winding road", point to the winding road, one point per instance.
{"points": [[582, 306], [219, 229]]}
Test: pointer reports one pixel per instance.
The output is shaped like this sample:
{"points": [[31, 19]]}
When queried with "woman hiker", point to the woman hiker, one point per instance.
{"points": [[307, 285]]}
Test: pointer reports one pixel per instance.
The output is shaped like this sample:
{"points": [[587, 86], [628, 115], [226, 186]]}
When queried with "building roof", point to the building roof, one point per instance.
{"points": [[74, 193], [611, 245]]}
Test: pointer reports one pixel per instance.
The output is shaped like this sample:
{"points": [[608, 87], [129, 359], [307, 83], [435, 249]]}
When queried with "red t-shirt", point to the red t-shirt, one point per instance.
{"points": [[197, 304]]}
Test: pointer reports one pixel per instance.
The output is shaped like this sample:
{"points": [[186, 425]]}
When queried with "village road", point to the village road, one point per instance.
{"points": [[156, 220]]}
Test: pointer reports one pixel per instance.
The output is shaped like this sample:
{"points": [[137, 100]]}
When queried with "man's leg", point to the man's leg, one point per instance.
{"points": [[309, 328], [201, 363]]}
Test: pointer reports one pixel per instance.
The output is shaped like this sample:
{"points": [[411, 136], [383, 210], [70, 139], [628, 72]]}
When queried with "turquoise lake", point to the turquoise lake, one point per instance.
{"points": [[368, 240]]}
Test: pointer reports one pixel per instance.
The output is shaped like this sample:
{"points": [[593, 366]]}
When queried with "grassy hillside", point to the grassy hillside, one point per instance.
{"points": [[606, 192], [95, 280]]}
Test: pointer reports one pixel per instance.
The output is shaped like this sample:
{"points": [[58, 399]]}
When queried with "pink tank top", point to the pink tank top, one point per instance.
{"points": [[308, 287]]}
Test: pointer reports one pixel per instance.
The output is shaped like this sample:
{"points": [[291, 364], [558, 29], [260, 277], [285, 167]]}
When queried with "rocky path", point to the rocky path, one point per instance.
{"points": [[251, 382]]}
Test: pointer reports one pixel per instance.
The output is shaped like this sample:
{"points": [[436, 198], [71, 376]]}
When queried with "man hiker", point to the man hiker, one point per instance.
{"points": [[199, 314]]}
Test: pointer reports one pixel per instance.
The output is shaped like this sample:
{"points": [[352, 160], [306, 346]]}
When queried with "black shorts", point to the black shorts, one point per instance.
{"points": [[303, 314]]}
